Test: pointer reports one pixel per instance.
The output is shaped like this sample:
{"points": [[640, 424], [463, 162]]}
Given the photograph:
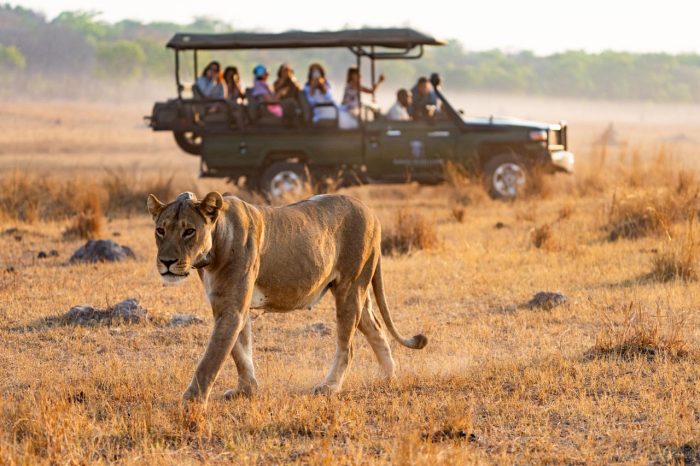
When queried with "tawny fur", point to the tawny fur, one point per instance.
{"points": [[277, 259]]}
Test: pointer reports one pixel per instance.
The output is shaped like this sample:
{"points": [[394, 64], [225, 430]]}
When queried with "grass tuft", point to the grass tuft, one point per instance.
{"points": [[88, 223], [411, 232], [638, 336], [458, 212], [680, 261], [543, 238], [648, 214]]}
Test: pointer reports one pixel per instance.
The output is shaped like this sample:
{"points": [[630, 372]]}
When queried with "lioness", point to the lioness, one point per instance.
{"points": [[277, 259]]}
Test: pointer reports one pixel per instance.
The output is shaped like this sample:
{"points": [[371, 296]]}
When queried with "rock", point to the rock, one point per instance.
{"points": [[182, 320], [9, 269], [84, 315], [53, 253], [102, 251], [500, 225], [129, 311], [546, 300], [42, 255], [320, 328]]}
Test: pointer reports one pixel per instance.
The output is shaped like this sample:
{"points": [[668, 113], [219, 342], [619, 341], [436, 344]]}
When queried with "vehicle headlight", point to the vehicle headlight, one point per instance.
{"points": [[539, 135]]}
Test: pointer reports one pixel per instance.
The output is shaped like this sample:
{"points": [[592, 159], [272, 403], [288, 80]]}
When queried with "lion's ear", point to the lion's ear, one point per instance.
{"points": [[154, 205], [211, 205]]}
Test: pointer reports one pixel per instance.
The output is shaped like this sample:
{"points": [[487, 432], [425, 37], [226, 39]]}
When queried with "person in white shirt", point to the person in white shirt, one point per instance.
{"points": [[399, 111]]}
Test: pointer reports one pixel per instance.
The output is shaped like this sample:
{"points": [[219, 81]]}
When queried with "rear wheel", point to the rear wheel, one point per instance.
{"points": [[283, 179], [189, 141], [505, 176]]}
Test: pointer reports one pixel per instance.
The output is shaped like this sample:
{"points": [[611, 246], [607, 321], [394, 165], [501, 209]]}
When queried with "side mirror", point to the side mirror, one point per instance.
{"points": [[435, 79]]}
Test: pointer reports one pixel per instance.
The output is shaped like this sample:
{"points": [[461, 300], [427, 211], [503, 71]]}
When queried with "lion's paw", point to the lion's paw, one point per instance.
{"points": [[325, 389], [238, 393]]}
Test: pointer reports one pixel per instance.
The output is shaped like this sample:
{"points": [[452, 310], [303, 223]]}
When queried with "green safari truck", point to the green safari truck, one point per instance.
{"points": [[243, 143]]}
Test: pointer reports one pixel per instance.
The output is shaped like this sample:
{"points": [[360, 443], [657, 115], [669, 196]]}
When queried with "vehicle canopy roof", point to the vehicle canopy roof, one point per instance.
{"points": [[398, 38]]}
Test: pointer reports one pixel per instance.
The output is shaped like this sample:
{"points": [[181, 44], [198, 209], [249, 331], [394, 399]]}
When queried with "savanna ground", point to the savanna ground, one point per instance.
{"points": [[610, 376]]}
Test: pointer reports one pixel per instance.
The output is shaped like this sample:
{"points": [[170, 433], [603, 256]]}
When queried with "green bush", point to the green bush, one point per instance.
{"points": [[11, 59], [122, 59]]}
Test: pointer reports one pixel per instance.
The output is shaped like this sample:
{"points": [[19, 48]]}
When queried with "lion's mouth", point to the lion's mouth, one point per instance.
{"points": [[171, 274], [170, 278]]}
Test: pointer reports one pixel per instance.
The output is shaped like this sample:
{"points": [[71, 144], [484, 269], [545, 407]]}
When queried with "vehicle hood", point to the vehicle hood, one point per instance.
{"points": [[506, 121]]}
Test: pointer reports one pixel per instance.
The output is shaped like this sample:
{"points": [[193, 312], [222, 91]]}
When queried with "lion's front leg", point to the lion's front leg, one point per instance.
{"points": [[242, 354], [227, 327]]}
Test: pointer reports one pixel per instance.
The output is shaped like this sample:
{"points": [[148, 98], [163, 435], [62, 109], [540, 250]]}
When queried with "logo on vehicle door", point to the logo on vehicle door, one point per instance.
{"points": [[417, 149]]}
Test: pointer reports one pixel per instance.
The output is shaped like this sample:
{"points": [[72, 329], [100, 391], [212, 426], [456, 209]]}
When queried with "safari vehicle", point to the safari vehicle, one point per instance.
{"points": [[266, 155]]}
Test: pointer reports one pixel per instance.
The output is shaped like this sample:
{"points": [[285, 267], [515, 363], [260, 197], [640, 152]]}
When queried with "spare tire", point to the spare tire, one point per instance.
{"points": [[189, 141]]}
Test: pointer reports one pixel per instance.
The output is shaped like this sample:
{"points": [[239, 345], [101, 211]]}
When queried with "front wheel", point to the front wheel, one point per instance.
{"points": [[284, 179], [189, 141], [505, 176]]}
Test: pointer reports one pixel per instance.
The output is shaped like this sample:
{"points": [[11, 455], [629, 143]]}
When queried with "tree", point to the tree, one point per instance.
{"points": [[11, 59], [122, 59], [83, 22]]}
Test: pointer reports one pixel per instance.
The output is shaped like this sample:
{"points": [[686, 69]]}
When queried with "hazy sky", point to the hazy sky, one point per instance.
{"points": [[543, 26]]}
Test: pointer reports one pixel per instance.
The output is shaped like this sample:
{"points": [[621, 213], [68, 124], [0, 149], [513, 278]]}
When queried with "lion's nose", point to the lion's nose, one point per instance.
{"points": [[167, 262]]}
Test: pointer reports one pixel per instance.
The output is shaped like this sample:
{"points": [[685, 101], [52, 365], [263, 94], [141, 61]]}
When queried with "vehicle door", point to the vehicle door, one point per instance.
{"points": [[408, 150]]}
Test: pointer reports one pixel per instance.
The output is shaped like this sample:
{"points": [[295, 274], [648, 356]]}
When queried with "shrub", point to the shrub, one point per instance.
{"points": [[411, 231]]}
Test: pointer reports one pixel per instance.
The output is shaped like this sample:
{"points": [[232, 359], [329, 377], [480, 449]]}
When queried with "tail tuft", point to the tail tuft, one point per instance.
{"points": [[418, 341]]}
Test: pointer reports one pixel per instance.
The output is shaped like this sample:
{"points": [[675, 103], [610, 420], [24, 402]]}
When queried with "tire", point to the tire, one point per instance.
{"points": [[189, 141], [284, 178], [505, 176]]}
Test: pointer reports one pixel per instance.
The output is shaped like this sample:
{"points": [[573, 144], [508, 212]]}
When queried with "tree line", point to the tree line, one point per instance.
{"points": [[78, 44]]}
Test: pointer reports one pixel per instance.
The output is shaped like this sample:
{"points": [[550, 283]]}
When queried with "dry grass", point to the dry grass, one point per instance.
{"points": [[465, 188], [126, 190], [539, 183], [679, 261], [648, 213], [496, 384], [543, 238], [411, 232], [639, 336], [458, 212]]}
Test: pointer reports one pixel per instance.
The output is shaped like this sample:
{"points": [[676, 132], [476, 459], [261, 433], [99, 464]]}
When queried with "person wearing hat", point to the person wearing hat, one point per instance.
{"points": [[261, 90]]}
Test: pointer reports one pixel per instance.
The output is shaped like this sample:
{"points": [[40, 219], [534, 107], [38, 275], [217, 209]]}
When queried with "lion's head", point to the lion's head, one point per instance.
{"points": [[183, 233]]}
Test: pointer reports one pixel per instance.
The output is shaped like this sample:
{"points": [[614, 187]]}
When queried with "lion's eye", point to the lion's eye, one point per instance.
{"points": [[160, 231], [187, 233]]}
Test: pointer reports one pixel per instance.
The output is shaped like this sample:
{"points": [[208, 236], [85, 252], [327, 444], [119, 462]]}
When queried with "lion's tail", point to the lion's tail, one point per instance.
{"points": [[417, 341]]}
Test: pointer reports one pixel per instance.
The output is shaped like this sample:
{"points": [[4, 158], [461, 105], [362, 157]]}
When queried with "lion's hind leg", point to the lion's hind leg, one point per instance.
{"points": [[371, 328], [348, 301], [242, 354]]}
